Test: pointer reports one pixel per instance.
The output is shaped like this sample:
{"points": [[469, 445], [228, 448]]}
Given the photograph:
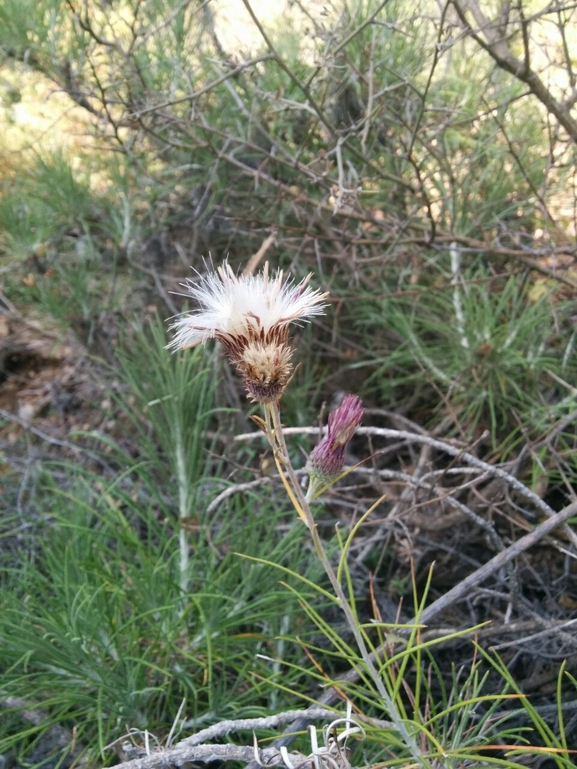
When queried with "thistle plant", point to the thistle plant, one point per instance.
{"points": [[251, 317]]}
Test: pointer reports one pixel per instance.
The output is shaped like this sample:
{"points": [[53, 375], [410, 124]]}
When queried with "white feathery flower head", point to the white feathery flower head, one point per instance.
{"points": [[250, 315], [249, 306]]}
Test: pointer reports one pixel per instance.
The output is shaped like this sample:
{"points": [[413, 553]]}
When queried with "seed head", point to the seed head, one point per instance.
{"points": [[250, 315]]}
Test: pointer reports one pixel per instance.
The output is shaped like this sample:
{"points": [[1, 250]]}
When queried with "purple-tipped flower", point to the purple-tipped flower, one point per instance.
{"points": [[327, 460]]}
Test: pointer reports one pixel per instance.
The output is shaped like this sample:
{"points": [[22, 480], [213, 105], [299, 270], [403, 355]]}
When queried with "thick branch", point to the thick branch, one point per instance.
{"points": [[488, 36]]}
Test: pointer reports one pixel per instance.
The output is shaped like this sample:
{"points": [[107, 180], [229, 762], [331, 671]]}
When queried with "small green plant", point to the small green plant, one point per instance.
{"points": [[46, 199], [487, 349]]}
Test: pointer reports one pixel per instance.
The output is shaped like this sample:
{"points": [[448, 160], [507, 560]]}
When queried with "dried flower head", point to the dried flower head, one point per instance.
{"points": [[250, 315], [327, 460]]}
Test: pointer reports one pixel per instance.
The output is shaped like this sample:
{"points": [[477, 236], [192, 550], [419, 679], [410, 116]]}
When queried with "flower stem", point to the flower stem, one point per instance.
{"points": [[274, 434]]}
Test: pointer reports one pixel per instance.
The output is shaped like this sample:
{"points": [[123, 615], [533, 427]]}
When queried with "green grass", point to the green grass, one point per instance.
{"points": [[96, 629], [469, 715], [126, 598]]}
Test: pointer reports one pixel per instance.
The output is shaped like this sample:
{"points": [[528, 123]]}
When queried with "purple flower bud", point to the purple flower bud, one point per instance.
{"points": [[327, 460]]}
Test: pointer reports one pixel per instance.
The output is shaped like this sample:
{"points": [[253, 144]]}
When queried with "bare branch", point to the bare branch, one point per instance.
{"points": [[180, 755], [193, 748], [250, 724], [448, 448]]}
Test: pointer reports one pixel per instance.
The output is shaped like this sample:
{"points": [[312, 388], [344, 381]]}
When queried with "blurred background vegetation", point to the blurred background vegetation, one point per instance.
{"points": [[419, 159]]}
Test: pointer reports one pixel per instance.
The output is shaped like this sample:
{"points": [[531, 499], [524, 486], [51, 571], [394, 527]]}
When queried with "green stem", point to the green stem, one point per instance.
{"points": [[276, 438]]}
